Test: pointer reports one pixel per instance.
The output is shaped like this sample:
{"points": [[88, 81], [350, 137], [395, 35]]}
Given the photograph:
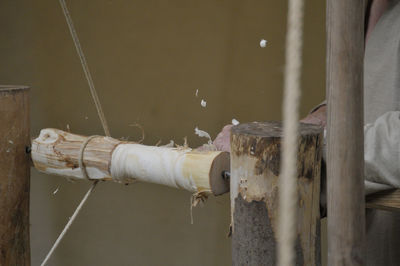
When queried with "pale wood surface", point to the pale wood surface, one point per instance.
{"points": [[385, 200], [345, 142], [14, 175], [255, 160], [58, 152]]}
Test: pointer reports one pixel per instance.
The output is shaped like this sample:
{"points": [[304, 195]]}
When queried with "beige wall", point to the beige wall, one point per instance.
{"points": [[147, 59]]}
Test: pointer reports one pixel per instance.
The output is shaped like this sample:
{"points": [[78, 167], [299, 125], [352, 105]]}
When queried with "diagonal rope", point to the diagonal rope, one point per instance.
{"points": [[85, 67], [103, 121], [68, 225], [288, 199]]}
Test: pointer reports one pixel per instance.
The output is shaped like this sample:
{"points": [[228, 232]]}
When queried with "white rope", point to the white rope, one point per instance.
{"points": [[103, 121], [287, 229], [68, 225], [85, 67]]}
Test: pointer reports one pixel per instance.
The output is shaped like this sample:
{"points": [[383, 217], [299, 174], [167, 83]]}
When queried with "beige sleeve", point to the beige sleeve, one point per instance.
{"points": [[381, 153]]}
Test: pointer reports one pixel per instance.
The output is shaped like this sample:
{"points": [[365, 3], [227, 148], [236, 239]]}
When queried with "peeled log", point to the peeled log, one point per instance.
{"points": [[57, 152]]}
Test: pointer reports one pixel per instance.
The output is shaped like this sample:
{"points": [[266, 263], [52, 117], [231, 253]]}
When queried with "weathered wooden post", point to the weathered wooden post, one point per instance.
{"points": [[345, 138], [14, 175], [255, 165]]}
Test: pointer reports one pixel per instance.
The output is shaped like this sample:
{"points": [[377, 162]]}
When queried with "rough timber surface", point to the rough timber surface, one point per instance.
{"points": [[14, 175], [345, 135], [255, 166], [58, 152]]}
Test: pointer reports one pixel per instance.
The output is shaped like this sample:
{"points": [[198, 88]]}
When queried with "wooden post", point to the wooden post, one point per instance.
{"points": [[14, 175], [255, 165], [345, 157]]}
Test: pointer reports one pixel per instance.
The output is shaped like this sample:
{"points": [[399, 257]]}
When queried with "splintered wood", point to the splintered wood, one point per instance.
{"points": [[58, 152]]}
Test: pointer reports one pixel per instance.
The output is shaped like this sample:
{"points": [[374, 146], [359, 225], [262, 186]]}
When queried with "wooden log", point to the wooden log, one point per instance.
{"points": [[58, 152], [345, 136], [255, 166], [14, 175]]}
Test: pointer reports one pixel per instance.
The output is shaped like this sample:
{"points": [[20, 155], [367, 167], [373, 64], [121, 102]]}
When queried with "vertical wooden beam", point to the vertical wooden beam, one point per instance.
{"points": [[255, 165], [14, 175], [345, 157]]}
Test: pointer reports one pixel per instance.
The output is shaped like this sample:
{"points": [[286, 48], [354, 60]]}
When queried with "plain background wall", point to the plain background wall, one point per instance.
{"points": [[147, 59]]}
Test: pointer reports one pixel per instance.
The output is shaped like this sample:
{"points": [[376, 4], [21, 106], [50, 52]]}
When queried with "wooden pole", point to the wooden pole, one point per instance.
{"points": [[14, 175], [255, 165], [345, 141], [59, 153]]}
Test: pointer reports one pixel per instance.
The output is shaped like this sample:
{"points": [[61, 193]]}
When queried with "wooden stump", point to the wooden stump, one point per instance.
{"points": [[14, 175], [255, 165]]}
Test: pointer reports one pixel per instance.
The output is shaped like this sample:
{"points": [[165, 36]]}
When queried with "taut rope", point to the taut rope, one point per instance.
{"points": [[85, 68], [103, 121], [288, 179]]}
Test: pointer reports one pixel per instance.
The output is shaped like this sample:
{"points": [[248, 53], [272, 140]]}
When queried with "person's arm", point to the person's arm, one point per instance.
{"points": [[381, 149], [222, 142], [317, 116], [381, 153]]}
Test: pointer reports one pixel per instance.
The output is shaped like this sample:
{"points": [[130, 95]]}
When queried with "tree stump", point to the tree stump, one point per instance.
{"points": [[255, 166], [14, 175]]}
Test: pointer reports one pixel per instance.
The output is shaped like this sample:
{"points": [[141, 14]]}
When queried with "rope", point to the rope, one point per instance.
{"points": [[81, 152], [68, 225], [103, 121], [85, 67], [287, 230]]}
